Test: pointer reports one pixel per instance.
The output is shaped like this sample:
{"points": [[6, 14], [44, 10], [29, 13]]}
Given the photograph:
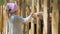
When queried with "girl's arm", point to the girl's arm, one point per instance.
{"points": [[27, 19], [23, 20]]}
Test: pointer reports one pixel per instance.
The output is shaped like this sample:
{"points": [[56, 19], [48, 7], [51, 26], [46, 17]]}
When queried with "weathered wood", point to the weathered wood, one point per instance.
{"points": [[55, 17], [46, 30], [27, 24], [45, 17], [23, 8], [23, 13], [5, 21], [38, 19], [32, 26], [48, 17], [32, 23], [59, 17], [1, 21]]}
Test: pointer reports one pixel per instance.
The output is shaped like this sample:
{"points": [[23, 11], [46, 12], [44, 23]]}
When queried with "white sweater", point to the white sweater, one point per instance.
{"points": [[14, 23]]}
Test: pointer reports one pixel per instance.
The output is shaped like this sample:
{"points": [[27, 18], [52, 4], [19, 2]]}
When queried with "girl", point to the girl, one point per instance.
{"points": [[14, 20]]}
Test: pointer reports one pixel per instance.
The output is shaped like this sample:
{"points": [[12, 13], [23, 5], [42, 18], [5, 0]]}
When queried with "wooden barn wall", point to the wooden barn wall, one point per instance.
{"points": [[50, 16]]}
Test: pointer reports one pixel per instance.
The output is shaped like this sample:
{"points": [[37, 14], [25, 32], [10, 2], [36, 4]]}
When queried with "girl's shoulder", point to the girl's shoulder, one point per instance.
{"points": [[13, 18]]}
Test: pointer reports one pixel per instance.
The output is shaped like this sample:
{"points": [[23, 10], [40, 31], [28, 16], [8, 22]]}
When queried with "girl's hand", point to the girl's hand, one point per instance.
{"points": [[34, 15], [38, 14]]}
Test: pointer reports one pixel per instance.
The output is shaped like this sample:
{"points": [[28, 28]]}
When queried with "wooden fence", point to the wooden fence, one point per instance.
{"points": [[49, 24]]}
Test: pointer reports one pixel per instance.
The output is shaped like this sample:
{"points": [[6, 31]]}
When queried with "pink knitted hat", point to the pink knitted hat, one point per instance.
{"points": [[12, 6]]}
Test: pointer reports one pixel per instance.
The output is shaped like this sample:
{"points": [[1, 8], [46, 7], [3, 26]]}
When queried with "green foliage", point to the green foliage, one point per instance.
{"points": [[2, 2]]}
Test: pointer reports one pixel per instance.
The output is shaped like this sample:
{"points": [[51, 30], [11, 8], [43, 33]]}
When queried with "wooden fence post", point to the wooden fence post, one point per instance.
{"points": [[1, 20], [5, 21], [32, 23], [45, 17], [27, 24], [48, 17], [59, 17], [55, 17], [23, 13], [38, 18]]}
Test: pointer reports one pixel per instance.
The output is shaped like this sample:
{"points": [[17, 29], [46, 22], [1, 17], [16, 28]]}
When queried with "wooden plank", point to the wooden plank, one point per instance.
{"points": [[49, 17], [1, 19], [19, 12], [23, 13], [20, 4], [59, 16], [5, 21], [45, 16], [55, 17], [23, 8], [27, 24], [32, 23], [28, 31], [38, 18], [32, 26]]}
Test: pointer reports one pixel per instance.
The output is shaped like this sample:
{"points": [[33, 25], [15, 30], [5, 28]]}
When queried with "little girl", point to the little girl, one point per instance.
{"points": [[14, 20]]}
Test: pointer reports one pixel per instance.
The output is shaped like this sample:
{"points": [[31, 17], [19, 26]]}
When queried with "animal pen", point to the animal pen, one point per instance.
{"points": [[45, 23]]}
